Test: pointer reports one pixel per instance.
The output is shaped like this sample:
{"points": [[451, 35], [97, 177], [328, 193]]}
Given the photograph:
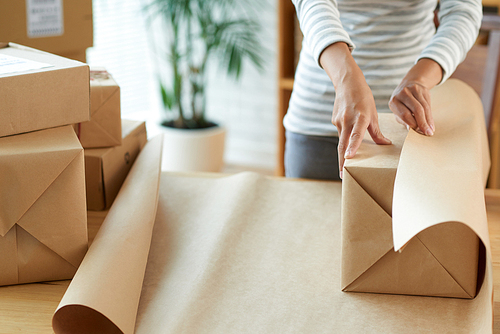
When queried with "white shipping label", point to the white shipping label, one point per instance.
{"points": [[9, 64], [44, 18]]}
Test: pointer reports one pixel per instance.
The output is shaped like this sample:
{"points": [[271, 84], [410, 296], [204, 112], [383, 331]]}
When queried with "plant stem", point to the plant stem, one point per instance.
{"points": [[177, 76]]}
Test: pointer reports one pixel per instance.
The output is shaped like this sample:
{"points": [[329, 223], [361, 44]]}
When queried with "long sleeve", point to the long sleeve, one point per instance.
{"points": [[320, 23], [458, 29]]}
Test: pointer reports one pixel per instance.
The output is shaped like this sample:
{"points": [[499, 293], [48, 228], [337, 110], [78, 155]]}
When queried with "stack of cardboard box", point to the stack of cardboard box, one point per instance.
{"points": [[111, 144], [51, 107], [43, 223], [65, 28]]}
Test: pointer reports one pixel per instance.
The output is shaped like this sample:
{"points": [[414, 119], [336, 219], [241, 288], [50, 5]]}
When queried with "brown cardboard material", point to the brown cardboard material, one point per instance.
{"points": [[43, 223], [77, 32], [42, 98], [243, 253], [107, 168], [104, 128], [439, 261], [80, 55]]}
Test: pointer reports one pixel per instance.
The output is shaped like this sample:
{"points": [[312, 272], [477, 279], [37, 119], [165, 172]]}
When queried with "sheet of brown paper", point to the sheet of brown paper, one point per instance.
{"points": [[254, 255], [104, 294], [442, 178], [235, 254]]}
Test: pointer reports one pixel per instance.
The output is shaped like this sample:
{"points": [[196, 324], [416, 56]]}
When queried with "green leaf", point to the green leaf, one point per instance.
{"points": [[237, 40], [167, 97]]}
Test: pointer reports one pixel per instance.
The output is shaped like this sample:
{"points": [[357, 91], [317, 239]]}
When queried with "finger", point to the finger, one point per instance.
{"points": [[376, 134], [400, 110], [341, 148], [418, 112], [426, 98], [427, 109], [356, 137]]}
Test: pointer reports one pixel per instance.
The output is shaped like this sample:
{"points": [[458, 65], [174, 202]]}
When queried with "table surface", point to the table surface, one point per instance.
{"points": [[28, 308]]}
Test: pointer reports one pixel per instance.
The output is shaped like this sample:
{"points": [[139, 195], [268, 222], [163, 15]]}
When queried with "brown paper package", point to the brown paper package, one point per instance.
{"points": [[104, 128], [43, 223], [439, 261], [44, 98], [77, 27], [251, 254], [107, 168]]}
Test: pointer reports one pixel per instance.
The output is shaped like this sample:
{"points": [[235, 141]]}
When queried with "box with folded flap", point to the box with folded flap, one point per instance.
{"points": [[440, 261], [107, 168], [104, 128], [43, 222], [40, 90]]}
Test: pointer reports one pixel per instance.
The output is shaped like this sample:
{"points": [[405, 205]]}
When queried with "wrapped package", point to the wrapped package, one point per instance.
{"points": [[107, 168], [43, 218], [441, 260], [40, 90], [104, 128]]}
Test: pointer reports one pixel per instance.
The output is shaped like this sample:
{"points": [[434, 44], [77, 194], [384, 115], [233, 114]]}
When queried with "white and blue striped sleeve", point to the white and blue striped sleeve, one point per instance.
{"points": [[459, 23], [320, 23]]}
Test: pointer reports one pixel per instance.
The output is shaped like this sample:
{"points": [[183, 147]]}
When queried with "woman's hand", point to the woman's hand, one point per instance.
{"points": [[354, 110], [411, 100]]}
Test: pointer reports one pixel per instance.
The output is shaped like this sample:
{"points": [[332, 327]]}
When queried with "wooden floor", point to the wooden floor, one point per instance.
{"points": [[28, 308]]}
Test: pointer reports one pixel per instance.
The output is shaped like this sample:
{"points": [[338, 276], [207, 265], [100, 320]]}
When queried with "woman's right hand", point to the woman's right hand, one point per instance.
{"points": [[354, 110]]}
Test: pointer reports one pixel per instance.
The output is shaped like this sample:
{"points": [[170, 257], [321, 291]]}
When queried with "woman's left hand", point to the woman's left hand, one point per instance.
{"points": [[411, 101]]}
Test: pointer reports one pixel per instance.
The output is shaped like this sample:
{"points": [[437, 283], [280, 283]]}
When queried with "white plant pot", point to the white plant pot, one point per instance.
{"points": [[193, 150]]}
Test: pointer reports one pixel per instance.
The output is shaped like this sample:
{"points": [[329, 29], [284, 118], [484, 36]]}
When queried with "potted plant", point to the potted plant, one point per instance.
{"points": [[194, 35]]}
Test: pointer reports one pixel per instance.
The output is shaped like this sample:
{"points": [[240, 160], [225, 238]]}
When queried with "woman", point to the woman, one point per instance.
{"points": [[363, 56]]}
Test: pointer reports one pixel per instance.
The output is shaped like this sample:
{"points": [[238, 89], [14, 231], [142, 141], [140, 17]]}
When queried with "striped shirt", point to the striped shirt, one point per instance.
{"points": [[386, 38]]}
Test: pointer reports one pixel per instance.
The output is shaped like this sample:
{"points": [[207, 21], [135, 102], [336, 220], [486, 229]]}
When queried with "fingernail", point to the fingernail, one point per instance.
{"points": [[433, 128], [340, 174], [429, 132], [347, 153]]}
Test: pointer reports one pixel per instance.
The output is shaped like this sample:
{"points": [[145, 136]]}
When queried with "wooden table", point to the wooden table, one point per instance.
{"points": [[28, 308]]}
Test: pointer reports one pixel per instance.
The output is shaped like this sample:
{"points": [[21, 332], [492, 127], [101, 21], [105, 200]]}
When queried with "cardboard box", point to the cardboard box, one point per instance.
{"points": [[439, 261], [107, 168], [80, 55], [104, 128], [40, 90], [58, 26], [43, 221]]}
